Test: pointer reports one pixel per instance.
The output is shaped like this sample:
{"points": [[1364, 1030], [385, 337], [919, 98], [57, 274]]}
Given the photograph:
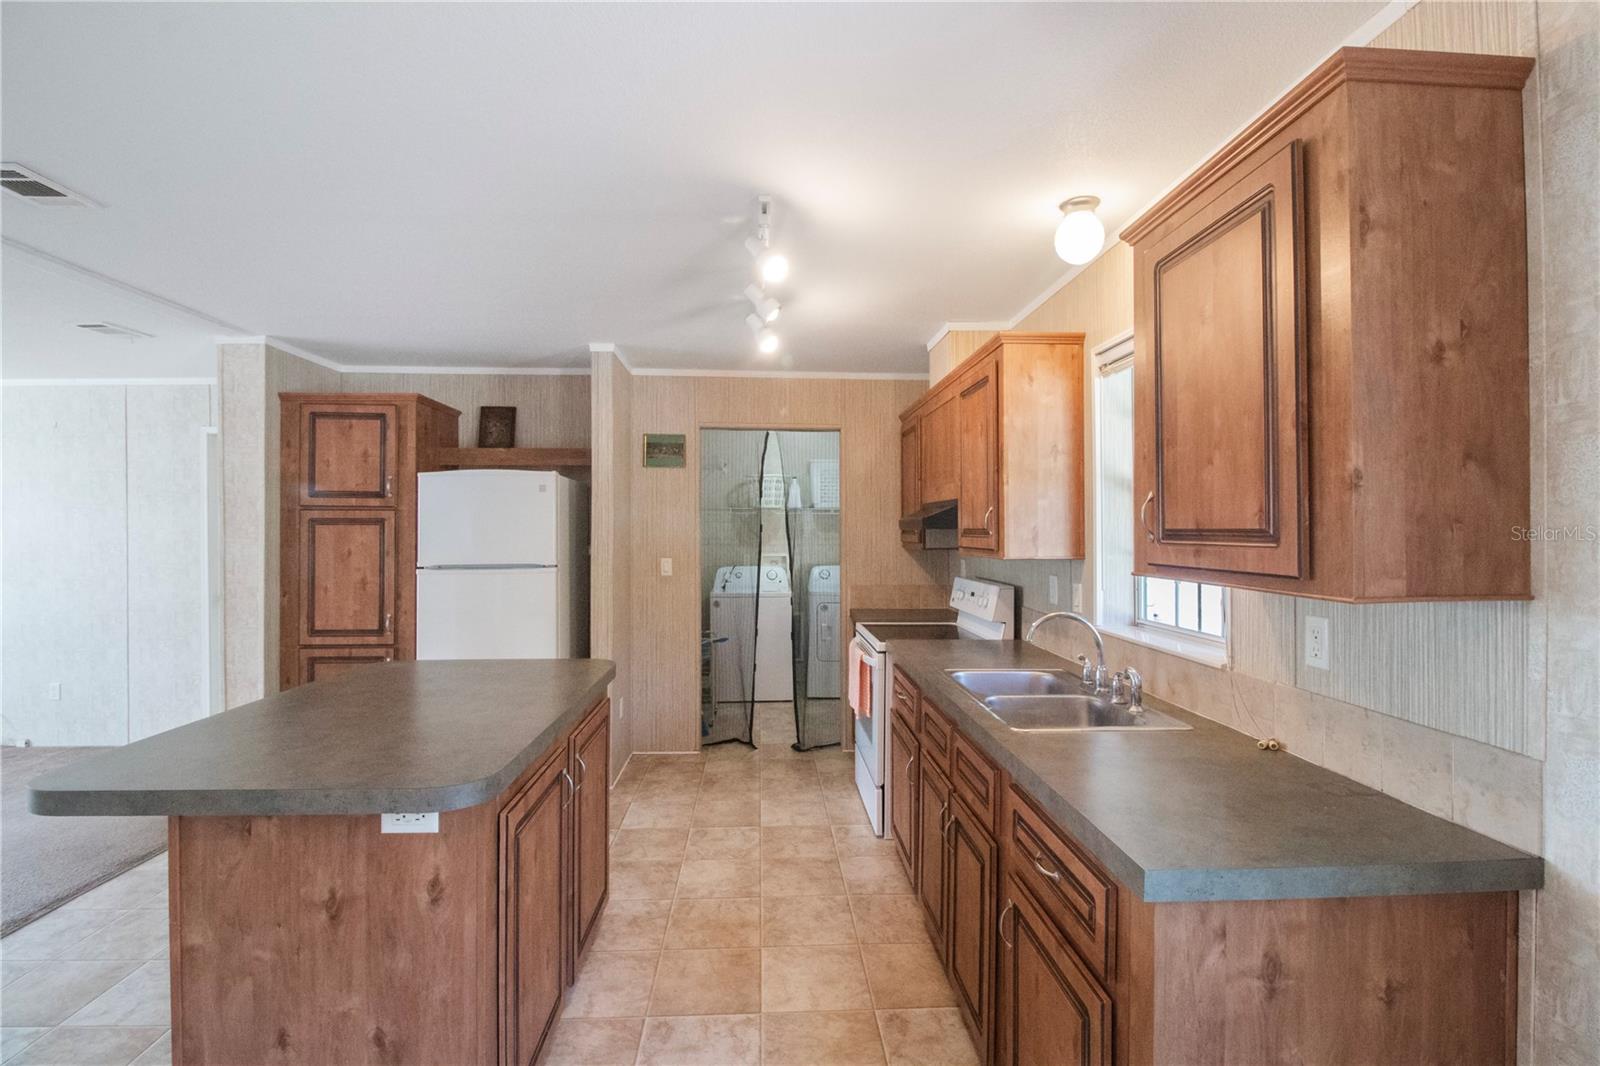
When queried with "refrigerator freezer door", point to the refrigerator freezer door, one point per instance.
{"points": [[488, 614], [487, 518]]}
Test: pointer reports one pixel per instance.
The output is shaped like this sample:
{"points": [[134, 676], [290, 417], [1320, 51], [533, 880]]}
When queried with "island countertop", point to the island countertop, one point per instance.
{"points": [[390, 737], [1203, 814]]}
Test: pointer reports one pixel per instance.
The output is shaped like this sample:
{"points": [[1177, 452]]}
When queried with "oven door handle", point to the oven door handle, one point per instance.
{"points": [[868, 656]]}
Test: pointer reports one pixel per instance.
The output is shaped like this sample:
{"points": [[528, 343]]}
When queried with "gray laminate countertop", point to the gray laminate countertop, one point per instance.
{"points": [[1203, 814], [390, 737]]}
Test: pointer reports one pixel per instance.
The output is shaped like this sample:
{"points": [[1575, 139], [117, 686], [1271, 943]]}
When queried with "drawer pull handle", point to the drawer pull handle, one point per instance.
{"points": [[583, 773], [1038, 864], [388, 485], [1143, 507], [1000, 927], [986, 516], [572, 789]]}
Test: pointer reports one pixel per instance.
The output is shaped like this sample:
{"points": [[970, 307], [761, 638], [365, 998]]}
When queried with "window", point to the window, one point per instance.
{"points": [[1184, 616], [1190, 606]]}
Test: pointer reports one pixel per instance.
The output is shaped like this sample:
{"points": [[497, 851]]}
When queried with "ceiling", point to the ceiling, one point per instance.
{"points": [[503, 184]]}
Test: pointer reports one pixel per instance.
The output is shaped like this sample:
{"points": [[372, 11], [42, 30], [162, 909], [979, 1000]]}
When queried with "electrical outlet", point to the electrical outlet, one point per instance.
{"points": [[1317, 643], [666, 566], [411, 823], [1077, 596], [55, 690], [1055, 590]]}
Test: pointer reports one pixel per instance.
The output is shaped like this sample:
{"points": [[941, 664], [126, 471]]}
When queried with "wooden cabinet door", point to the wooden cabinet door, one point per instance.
{"points": [[589, 766], [347, 576], [941, 452], [322, 664], [904, 786], [910, 468], [349, 454], [1219, 385], [972, 883], [978, 510], [533, 848], [1050, 1011], [933, 810]]}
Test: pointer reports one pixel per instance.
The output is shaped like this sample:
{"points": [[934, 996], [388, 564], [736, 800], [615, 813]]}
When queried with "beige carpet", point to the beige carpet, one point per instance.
{"points": [[46, 861]]}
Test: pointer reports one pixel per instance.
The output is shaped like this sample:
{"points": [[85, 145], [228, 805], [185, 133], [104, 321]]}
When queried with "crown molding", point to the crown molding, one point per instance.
{"points": [[961, 327]]}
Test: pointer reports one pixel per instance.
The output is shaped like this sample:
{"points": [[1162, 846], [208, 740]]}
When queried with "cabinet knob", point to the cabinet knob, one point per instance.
{"points": [[1143, 521]]}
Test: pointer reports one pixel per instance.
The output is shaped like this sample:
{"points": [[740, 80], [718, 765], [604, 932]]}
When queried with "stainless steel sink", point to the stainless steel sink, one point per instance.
{"points": [[1053, 701], [984, 683], [1067, 714]]}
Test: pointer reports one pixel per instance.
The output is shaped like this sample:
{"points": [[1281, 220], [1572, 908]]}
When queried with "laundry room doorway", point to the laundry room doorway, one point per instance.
{"points": [[771, 634]]}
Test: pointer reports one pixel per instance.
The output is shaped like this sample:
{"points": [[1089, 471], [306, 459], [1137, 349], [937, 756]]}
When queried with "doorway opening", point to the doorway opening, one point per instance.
{"points": [[771, 641]]}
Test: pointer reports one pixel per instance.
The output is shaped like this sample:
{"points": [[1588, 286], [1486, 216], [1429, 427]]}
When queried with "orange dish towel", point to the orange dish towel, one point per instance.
{"points": [[860, 683]]}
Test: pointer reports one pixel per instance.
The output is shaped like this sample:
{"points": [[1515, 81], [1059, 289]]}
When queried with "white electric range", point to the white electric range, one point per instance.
{"points": [[984, 611]]}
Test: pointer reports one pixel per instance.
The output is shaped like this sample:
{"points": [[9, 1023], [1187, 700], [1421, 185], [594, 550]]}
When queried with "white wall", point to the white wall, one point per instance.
{"points": [[103, 568]]}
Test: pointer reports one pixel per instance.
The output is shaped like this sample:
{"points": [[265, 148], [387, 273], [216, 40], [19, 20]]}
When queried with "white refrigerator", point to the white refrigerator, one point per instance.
{"points": [[502, 565]]}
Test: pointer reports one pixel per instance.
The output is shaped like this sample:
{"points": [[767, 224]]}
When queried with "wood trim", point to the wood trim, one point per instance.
{"points": [[1398, 65], [948, 384], [367, 398], [513, 458]]}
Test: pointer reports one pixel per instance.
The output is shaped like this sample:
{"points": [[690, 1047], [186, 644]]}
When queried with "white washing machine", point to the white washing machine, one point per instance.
{"points": [[822, 633], [757, 620]]}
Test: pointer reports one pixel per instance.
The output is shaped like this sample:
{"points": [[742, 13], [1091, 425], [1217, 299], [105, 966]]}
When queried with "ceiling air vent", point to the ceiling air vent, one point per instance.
{"points": [[35, 188], [111, 329]]}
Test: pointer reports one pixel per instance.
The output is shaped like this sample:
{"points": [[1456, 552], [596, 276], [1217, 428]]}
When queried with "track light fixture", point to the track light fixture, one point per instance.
{"points": [[771, 266], [767, 341], [765, 306]]}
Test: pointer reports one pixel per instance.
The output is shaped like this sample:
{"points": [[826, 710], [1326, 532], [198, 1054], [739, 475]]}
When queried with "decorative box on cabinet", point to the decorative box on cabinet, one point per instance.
{"points": [[348, 534], [1002, 436], [1331, 353]]}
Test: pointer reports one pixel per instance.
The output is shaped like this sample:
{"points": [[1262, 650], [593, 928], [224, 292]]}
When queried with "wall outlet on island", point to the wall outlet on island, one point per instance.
{"points": [[1317, 642], [411, 823]]}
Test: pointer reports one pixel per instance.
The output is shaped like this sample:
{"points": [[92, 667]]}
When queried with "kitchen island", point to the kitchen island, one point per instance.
{"points": [[301, 931], [1152, 896]]}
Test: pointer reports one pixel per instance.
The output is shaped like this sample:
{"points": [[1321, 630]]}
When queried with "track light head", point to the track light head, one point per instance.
{"points": [[765, 306]]}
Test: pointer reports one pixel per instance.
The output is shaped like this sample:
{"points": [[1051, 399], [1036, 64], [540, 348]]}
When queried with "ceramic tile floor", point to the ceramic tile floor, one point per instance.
{"points": [[753, 918], [86, 985]]}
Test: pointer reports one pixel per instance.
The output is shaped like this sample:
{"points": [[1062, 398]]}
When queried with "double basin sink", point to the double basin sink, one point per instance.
{"points": [[1054, 701]]}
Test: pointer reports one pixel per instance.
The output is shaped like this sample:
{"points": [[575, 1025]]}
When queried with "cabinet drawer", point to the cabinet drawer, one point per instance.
{"points": [[935, 732], [975, 779], [903, 696], [1078, 899]]}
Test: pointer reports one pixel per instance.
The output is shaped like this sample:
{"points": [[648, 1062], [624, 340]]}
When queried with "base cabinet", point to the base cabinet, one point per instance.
{"points": [[1051, 1011], [971, 882], [1055, 962], [589, 767], [534, 844], [933, 811]]}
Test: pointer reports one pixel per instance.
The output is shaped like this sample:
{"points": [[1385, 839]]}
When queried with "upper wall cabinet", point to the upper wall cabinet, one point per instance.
{"points": [[1331, 337], [1001, 436]]}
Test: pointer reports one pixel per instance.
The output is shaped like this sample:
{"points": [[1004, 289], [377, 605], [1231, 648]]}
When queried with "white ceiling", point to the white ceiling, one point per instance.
{"points": [[464, 184], [44, 302]]}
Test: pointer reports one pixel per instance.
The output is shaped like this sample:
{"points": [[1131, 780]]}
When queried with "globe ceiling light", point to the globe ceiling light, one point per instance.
{"points": [[1080, 235]]}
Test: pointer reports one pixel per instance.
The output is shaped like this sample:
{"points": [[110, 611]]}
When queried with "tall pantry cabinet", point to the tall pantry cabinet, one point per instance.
{"points": [[348, 537]]}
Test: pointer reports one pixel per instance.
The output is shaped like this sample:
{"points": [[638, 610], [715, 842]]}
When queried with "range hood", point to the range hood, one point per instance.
{"points": [[934, 523]]}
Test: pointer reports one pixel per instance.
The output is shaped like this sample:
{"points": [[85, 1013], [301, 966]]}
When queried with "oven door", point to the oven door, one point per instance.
{"points": [[871, 728]]}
